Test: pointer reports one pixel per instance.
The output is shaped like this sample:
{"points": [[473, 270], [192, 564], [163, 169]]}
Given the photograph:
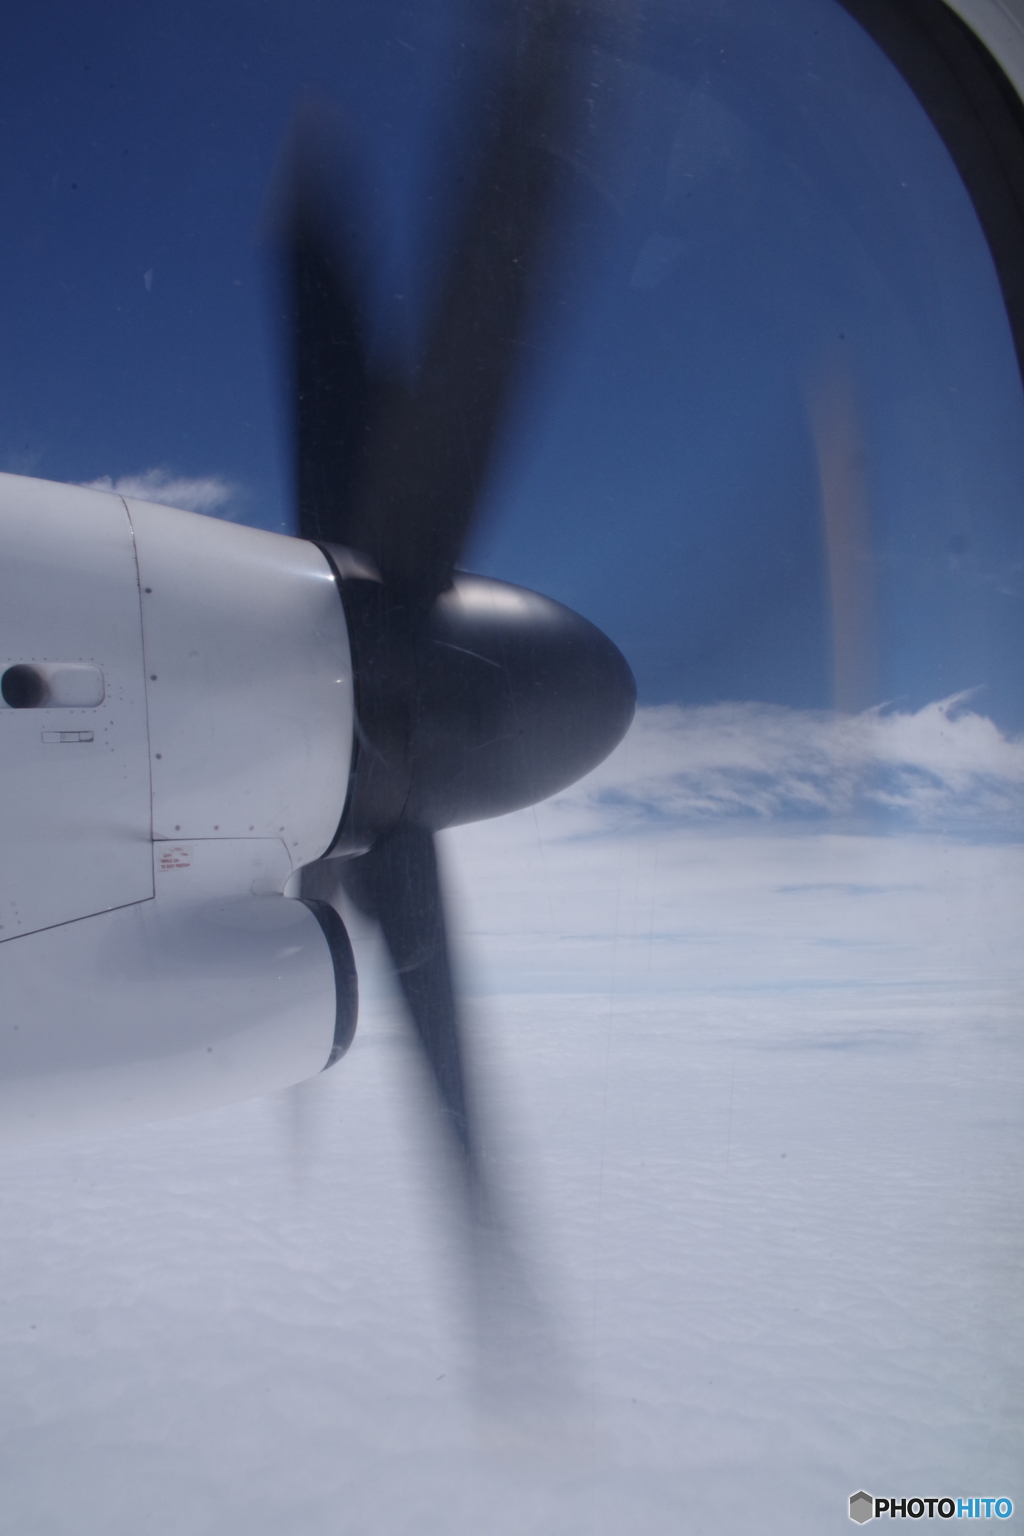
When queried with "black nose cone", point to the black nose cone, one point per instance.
{"points": [[516, 697]]}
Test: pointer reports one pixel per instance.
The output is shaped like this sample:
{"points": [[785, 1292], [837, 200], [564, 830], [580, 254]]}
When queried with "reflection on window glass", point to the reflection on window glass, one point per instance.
{"points": [[745, 1003]]}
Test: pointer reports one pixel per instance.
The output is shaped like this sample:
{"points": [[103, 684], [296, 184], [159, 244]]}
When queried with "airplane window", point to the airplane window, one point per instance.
{"points": [[742, 1005]]}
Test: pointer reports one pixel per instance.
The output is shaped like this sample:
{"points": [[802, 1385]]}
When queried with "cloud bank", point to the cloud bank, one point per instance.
{"points": [[943, 767], [772, 850], [209, 494]]}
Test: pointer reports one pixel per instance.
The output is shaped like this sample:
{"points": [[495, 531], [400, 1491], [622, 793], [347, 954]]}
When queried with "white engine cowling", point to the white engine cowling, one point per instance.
{"points": [[175, 735]]}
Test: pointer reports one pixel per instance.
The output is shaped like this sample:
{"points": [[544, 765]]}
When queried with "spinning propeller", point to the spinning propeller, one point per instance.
{"points": [[472, 697]]}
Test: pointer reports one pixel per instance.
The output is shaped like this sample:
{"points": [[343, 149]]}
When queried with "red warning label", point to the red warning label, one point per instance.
{"points": [[176, 856]]}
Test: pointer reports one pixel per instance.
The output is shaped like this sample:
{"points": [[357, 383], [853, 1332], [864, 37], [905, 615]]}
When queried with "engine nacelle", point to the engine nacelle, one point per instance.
{"points": [[182, 1003], [175, 740]]}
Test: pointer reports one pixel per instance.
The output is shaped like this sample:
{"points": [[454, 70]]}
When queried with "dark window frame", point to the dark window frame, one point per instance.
{"points": [[978, 114]]}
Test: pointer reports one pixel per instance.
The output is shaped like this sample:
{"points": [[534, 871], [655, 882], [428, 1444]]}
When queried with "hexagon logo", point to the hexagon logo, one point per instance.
{"points": [[862, 1506]]}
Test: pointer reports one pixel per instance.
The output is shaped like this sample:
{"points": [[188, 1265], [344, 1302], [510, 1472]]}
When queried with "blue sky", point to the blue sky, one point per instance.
{"points": [[765, 208]]}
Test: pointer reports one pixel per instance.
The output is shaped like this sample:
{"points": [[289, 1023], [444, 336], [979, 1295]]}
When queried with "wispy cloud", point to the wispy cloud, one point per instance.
{"points": [[209, 494], [943, 766]]}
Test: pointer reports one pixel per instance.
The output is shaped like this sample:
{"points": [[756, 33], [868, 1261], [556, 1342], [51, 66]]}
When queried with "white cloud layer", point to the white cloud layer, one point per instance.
{"points": [[752, 1083], [943, 767], [209, 493]]}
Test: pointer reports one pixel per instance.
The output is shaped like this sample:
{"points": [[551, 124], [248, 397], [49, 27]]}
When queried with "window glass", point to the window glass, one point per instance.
{"points": [[745, 1004]]}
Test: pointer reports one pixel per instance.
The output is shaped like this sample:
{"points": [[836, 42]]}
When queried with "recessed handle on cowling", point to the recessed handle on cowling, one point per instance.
{"points": [[52, 685]]}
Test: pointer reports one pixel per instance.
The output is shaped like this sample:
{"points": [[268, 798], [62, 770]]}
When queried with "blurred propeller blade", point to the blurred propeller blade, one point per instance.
{"points": [[332, 390], [432, 448], [486, 698], [392, 468], [398, 885]]}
